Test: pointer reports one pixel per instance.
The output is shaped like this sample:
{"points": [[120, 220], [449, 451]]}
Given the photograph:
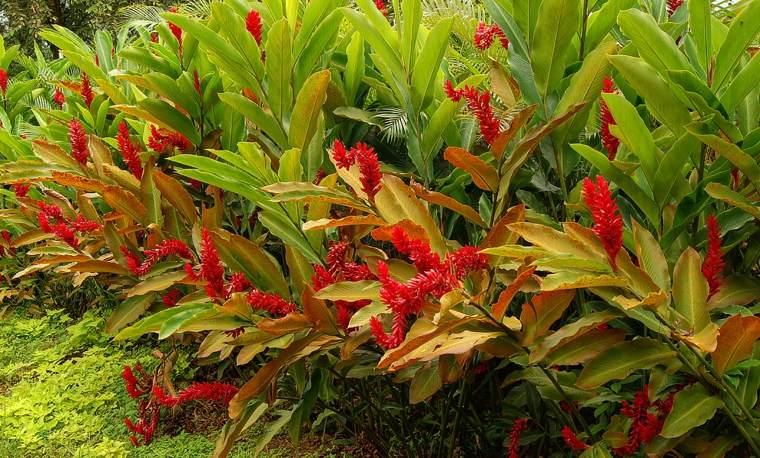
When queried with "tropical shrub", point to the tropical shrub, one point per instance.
{"points": [[529, 223]]}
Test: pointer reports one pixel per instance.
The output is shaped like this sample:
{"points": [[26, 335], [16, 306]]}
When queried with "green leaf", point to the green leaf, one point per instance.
{"points": [[743, 83], [257, 115], [744, 28], [427, 67], [692, 407], [726, 194], [157, 283], [172, 118], [278, 66], [128, 311], [690, 290], [426, 382], [598, 450], [308, 106], [743, 161], [619, 361], [350, 291], [558, 21], [701, 31], [654, 45], [499, 12], [281, 226], [352, 76], [154, 322]]}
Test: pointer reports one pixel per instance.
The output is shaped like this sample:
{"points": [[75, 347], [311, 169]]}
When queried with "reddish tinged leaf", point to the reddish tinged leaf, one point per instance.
{"points": [[506, 296], [447, 202], [736, 341], [544, 309], [483, 175], [518, 122], [413, 230], [292, 322], [500, 234]]}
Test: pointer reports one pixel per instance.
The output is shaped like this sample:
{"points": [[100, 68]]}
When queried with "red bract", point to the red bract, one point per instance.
{"points": [[154, 37], [197, 83], [162, 250], [520, 425], [609, 141], [176, 30], [86, 90], [380, 5], [135, 388], [673, 6], [58, 98], [21, 190], [343, 158], [198, 391], [129, 151], [398, 331], [485, 34], [480, 105], [253, 25], [572, 441], [238, 283], [645, 425], [271, 303], [418, 251], [82, 224], [170, 299], [712, 266], [369, 166], [164, 143], [3, 81], [78, 141], [145, 427], [608, 224], [211, 266]]}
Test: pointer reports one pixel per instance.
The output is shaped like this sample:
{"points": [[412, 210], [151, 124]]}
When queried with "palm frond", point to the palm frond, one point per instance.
{"points": [[395, 123]]}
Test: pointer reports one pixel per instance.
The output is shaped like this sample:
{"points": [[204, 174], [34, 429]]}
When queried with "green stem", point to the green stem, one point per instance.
{"points": [[584, 25]]}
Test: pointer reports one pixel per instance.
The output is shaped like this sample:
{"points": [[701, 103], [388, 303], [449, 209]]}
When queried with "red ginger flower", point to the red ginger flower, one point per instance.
{"points": [[198, 391], [712, 266], [3, 81], [380, 5], [129, 151], [82, 224], [480, 105], [86, 90], [520, 425], [58, 98], [144, 427], [163, 143], [572, 441], [170, 299], [485, 34], [154, 37], [176, 30], [78, 141], [609, 141], [369, 166], [238, 282], [271, 303], [135, 388], [253, 25], [673, 5], [162, 250], [21, 190], [211, 266], [418, 251], [608, 224]]}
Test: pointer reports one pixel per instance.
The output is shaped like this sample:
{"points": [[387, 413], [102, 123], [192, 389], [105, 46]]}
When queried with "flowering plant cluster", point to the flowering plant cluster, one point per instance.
{"points": [[504, 233]]}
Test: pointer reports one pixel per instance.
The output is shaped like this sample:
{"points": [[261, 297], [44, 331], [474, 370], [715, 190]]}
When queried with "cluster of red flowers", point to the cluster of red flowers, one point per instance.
{"points": [[147, 412], [198, 391], [673, 5], [78, 141], [129, 151], [170, 298], [253, 25], [58, 98], [212, 270], [609, 141], [480, 105], [380, 5], [485, 34], [645, 424], [21, 190], [167, 142], [712, 266], [176, 30], [8, 241], [572, 441], [369, 166], [162, 250], [341, 269], [434, 278], [3, 81], [608, 224], [520, 425], [86, 90], [62, 227]]}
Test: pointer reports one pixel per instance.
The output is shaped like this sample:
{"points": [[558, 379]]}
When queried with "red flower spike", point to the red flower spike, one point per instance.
{"points": [[86, 90], [211, 266], [608, 224], [343, 159], [197, 83], [170, 299], [485, 34], [78, 142], [58, 98], [238, 282], [369, 167], [253, 25], [454, 94], [645, 424], [271, 303], [520, 425], [198, 391], [154, 37], [82, 224], [673, 5], [480, 106], [713, 265], [165, 143], [3, 81], [129, 151], [397, 335], [416, 250], [21, 190], [572, 441], [161, 251], [175, 29], [380, 5], [609, 141]]}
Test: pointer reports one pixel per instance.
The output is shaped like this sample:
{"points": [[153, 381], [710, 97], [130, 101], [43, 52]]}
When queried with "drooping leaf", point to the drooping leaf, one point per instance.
{"points": [[621, 360], [692, 407], [736, 341]]}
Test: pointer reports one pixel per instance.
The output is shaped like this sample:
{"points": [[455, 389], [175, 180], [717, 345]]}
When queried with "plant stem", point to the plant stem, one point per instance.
{"points": [[463, 392], [584, 24]]}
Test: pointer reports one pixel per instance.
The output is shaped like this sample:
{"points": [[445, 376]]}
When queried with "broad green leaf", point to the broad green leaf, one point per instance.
{"points": [[499, 12], [544, 309], [600, 22], [352, 76], [699, 23], [128, 311], [735, 291], [726, 194], [619, 361], [692, 407], [744, 29], [350, 291], [736, 341], [172, 118], [426, 382], [598, 450], [558, 21], [426, 69], [650, 256], [308, 106], [743, 161], [584, 347], [653, 45], [568, 333], [154, 322], [690, 290], [257, 116], [743, 83], [278, 69], [157, 283], [281, 226]]}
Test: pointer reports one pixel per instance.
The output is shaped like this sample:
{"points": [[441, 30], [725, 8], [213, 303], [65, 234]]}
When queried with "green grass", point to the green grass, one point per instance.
{"points": [[61, 395]]}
